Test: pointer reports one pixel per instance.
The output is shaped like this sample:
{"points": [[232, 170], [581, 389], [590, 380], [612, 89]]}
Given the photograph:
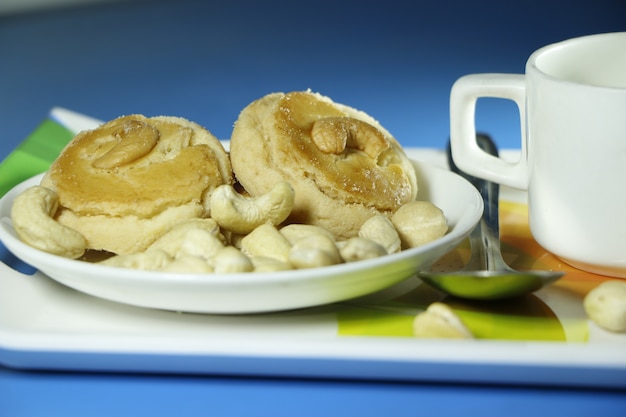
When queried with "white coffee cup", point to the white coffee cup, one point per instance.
{"points": [[572, 104]]}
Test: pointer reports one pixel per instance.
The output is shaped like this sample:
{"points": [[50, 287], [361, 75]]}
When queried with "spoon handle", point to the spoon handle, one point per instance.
{"points": [[485, 239]]}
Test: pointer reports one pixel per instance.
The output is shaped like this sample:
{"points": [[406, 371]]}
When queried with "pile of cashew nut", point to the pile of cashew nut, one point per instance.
{"points": [[605, 305], [242, 234]]}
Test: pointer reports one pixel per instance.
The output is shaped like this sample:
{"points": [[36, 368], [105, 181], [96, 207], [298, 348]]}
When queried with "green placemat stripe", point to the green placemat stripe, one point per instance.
{"points": [[34, 155], [47, 141]]}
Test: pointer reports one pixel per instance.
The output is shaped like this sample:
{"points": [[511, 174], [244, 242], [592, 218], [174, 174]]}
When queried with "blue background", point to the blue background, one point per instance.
{"points": [[206, 60]]}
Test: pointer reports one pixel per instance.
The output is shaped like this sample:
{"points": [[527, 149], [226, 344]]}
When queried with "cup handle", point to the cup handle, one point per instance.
{"points": [[466, 153]]}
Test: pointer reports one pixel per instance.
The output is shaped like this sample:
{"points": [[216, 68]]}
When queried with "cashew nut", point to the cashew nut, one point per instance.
{"points": [[233, 239], [359, 248], [241, 214], [134, 140], [265, 264], [199, 237], [206, 224], [440, 321], [335, 134], [266, 241], [231, 260], [295, 231], [314, 251], [200, 243], [148, 261], [32, 214], [380, 229], [418, 223], [189, 265], [606, 305]]}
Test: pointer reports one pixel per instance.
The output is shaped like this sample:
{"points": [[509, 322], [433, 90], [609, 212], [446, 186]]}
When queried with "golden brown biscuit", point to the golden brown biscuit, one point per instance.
{"points": [[343, 165], [125, 183]]}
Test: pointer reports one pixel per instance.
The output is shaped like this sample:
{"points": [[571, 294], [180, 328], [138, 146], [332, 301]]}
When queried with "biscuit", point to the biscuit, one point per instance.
{"points": [[125, 183], [343, 165]]}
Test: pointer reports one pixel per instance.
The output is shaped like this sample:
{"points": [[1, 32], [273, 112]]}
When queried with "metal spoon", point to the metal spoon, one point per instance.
{"points": [[486, 276]]}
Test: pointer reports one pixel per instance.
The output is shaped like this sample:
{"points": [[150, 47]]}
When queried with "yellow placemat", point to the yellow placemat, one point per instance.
{"points": [[556, 316]]}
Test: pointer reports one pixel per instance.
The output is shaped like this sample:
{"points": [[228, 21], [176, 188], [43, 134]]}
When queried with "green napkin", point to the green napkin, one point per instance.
{"points": [[34, 155]]}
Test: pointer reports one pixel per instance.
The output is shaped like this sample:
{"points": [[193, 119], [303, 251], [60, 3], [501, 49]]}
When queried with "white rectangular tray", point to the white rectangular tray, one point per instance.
{"points": [[44, 325]]}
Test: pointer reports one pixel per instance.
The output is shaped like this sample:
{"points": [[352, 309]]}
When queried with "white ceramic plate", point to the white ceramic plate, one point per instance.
{"points": [[259, 292]]}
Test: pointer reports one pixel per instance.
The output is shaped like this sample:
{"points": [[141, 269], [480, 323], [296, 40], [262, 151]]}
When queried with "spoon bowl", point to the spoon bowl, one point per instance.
{"points": [[486, 276], [489, 285]]}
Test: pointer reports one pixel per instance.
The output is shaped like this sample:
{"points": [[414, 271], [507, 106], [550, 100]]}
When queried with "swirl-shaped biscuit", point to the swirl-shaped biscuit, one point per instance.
{"points": [[125, 183], [343, 165]]}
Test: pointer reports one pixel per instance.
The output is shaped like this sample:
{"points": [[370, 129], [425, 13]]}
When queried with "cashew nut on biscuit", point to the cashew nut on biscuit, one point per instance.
{"points": [[335, 134], [135, 139]]}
